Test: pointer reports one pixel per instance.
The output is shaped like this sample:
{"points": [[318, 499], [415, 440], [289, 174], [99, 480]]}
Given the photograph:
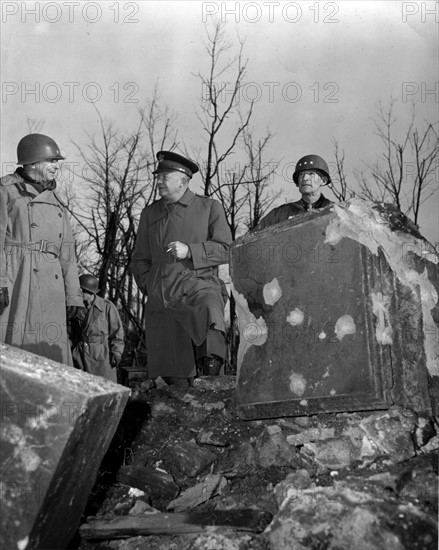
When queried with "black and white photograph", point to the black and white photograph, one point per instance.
{"points": [[219, 283]]}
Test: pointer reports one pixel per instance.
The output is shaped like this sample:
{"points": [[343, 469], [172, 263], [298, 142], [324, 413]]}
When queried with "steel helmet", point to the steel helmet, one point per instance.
{"points": [[89, 282], [35, 148], [311, 162]]}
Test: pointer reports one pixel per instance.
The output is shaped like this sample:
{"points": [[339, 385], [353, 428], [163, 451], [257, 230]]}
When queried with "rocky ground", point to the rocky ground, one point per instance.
{"points": [[184, 460]]}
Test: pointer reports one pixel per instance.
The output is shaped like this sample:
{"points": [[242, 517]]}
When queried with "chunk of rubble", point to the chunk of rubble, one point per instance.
{"points": [[343, 518], [338, 311], [331, 454], [312, 434], [188, 459], [392, 432], [272, 449], [57, 424], [210, 486]]}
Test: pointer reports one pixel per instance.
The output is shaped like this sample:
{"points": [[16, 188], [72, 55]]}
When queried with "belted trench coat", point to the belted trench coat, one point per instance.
{"points": [[38, 266], [97, 337], [185, 297]]}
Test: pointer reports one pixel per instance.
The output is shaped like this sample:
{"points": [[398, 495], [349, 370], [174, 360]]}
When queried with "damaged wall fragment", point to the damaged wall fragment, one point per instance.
{"points": [[353, 315], [57, 423]]}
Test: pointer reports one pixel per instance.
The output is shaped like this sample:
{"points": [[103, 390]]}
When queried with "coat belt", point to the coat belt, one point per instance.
{"points": [[38, 246]]}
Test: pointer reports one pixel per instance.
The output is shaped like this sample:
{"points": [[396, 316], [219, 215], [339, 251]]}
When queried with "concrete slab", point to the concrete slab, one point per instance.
{"points": [[56, 425], [333, 316]]}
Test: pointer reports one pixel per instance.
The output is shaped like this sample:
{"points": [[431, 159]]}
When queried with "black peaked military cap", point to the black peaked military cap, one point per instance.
{"points": [[170, 161]]}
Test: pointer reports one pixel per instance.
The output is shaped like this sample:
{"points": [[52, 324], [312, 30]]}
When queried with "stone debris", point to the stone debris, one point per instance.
{"points": [[151, 481], [349, 323], [340, 492], [57, 423], [141, 508], [313, 434], [210, 486], [392, 432], [188, 459]]}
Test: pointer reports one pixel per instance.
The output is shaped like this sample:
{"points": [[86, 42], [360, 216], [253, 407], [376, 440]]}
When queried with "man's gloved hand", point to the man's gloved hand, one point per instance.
{"points": [[114, 362], [4, 298]]}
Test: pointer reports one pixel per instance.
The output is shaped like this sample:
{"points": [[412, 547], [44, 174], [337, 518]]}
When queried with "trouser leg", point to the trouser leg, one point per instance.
{"points": [[211, 353]]}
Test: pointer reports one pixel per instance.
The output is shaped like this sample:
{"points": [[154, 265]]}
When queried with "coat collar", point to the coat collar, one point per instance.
{"points": [[26, 187], [50, 185], [318, 204], [99, 303], [186, 199]]}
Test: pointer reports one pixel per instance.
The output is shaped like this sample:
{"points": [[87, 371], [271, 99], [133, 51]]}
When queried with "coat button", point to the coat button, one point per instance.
{"points": [[35, 270], [56, 276], [59, 214], [60, 235], [33, 225]]}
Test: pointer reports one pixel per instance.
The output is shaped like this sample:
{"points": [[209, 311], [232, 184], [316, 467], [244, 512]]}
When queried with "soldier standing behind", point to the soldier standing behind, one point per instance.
{"points": [[38, 272], [97, 333], [310, 175]]}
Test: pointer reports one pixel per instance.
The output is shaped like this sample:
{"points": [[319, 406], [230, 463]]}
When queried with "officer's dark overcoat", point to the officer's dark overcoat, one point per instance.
{"points": [[185, 297]]}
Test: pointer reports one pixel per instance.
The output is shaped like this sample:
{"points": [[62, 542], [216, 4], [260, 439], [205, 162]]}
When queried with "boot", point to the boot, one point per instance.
{"points": [[212, 365]]}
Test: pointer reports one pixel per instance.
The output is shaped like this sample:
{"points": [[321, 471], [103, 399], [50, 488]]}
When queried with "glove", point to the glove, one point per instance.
{"points": [[114, 362], [4, 298]]}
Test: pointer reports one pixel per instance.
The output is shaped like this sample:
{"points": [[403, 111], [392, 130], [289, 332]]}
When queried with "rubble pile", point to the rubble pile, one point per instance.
{"points": [[191, 473]]}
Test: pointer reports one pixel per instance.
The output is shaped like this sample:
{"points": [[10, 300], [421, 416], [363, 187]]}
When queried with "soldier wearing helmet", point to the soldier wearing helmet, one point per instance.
{"points": [[38, 275], [96, 333], [310, 175]]}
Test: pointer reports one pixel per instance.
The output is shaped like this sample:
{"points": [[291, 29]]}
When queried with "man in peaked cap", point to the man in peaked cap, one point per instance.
{"points": [[310, 175], [181, 241], [38, 272]]}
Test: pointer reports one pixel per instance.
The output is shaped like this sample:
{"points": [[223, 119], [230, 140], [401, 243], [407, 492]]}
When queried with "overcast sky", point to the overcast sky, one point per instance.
{"points": [[316, 69]]}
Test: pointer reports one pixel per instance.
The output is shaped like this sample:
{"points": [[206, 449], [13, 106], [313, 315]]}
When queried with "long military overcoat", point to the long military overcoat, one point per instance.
{"points": [[185, 297], [40, 283], [97, 336]]}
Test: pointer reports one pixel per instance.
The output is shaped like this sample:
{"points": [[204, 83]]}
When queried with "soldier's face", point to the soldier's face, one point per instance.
{"points": [[170, 185], [45, 170], [310, 182], [88, 297]]}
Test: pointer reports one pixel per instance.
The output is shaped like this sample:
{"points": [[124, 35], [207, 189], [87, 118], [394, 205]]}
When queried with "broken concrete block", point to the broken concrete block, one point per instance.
{"points": [[210, 486], [188, 458], [345, 518], [392, 432], [57, 423], [312, 434], [141, 508], [156, 484], [331, 453], [273, 450], [338, 311], [292, 486]]}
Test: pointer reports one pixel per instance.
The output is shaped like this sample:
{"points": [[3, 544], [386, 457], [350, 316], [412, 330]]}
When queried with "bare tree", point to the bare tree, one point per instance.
{"points": [[339, 185], [221, 118], [34, 126], [404, 172], [260, 174], [233, 170], [117, 182]]}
